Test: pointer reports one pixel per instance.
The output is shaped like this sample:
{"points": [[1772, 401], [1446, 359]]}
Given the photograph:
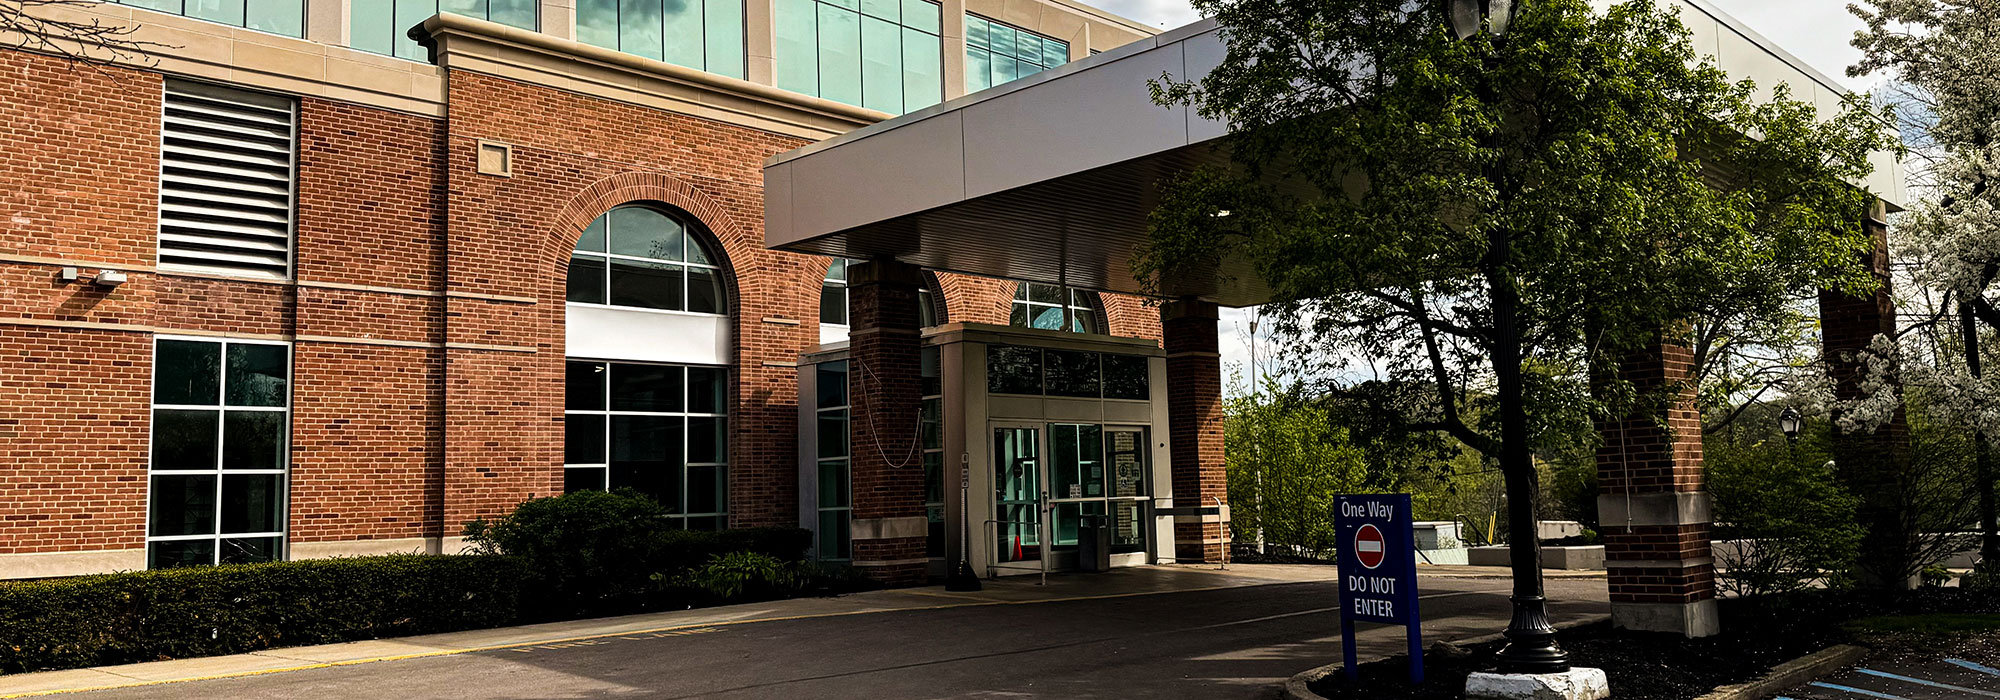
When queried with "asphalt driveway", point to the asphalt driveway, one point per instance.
{"points": [[1234, 641]]}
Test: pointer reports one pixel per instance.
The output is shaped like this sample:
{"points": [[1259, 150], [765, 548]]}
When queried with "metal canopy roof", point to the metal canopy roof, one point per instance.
{"points": [[1051, 178]]}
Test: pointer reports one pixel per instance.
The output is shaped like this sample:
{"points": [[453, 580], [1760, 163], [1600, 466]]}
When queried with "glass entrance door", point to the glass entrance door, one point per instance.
{"points": [[1018, 498]]}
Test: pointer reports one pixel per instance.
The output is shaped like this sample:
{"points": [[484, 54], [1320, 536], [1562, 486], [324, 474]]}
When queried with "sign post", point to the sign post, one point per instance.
{"points": [[1378, 571]]}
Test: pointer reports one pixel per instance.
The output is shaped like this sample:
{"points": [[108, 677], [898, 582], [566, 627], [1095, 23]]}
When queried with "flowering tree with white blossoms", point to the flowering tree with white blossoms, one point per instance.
{"points": [[1945, 57]]}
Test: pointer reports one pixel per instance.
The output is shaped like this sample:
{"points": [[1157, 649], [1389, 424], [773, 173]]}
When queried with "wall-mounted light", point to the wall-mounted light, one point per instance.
{"points": [[109, 278]]}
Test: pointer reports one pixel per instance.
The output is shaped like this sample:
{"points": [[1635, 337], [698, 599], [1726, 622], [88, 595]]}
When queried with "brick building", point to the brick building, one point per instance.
{"points": [[294, 285]]}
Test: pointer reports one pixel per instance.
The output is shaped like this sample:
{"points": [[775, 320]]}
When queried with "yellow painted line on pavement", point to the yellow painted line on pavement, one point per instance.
{"points": [[542, 642]]}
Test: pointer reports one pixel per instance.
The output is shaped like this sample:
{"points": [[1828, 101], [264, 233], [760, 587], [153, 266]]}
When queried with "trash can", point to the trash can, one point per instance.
{"points": [[1093, 543]]}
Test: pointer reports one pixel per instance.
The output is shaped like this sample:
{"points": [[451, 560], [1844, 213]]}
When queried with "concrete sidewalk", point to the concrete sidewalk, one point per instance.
{"points": [[1010, 591]]}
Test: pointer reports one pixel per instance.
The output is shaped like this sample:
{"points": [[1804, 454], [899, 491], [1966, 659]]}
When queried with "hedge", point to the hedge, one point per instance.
{"points": [[204, 611], [596, 553]]}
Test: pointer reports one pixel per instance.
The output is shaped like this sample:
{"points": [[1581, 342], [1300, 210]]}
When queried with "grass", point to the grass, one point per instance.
{"points": [[1930, 623]]}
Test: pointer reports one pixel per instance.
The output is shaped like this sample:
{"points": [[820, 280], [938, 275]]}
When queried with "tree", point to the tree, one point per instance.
{"points": [[1788, 521], [61, 27], [1946, 55], [1502, 219], [1287, 463]]}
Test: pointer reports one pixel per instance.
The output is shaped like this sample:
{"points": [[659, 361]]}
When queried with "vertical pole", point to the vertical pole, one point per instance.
{"points": [[1347, 649]]}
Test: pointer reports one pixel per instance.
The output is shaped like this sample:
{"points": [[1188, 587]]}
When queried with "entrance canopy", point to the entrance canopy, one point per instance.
{"points": [[1051, 178]]}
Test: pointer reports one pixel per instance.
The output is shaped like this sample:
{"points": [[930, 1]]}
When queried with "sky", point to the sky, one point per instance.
{"points": [[1816, 31]]}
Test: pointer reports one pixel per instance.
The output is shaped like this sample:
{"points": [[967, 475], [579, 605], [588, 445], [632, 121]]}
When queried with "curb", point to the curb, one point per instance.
{"points": [[1791, 673], [1297, 687]]}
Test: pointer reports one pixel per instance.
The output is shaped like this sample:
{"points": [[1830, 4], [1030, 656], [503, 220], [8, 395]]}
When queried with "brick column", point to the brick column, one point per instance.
{"points": [[1194, 425], [1652, 504], [886, 394], [1867, 463]]}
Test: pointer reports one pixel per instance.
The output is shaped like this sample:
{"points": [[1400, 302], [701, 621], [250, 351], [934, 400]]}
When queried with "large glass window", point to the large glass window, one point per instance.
{"points": [[383, 26], [638, 257], [1038, 305], [833, 294], [997, 52], [221, 426], [660, 429], [833, 459], [880, 54], [285, 17], [700, 34], [1012, 369]]}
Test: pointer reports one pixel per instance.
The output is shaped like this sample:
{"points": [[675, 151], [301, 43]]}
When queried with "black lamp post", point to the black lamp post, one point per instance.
{"points": [[1790, 423], [1469, 17], [1531, 640]]}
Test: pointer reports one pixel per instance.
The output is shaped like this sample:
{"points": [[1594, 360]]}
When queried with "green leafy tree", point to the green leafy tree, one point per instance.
{"points": [[1502, 219], [1784, 519], [1287, 461]]}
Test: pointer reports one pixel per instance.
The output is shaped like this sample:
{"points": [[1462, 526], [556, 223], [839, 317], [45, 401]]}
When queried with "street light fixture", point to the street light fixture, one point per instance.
{"points": [[1790, 423], [1469, 17], [1531, 639]]}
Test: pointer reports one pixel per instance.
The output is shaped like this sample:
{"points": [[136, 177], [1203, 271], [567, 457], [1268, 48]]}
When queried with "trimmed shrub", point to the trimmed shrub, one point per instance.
{"points": [[596, 552], [205, 611]]}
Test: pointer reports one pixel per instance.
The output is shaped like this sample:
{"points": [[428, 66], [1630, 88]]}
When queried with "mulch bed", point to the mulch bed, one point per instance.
{"points": [[1757, 634]]}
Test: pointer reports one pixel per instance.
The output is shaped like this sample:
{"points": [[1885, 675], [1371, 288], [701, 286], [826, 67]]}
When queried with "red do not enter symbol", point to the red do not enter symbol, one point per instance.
{"points": [[1368, 547]]}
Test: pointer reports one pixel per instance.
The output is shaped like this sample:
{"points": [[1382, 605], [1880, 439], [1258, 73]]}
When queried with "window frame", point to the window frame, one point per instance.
{"points": [[1083, 300], [685, 416], [970, 48], [820, 509], [397, 38], [818, 10], [1042, 373], [618, 31], [222, 408], [304, 19], [693, 234]]}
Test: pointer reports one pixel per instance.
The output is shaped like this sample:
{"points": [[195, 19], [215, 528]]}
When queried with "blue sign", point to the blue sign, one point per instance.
{"points": [[1377, 559]]}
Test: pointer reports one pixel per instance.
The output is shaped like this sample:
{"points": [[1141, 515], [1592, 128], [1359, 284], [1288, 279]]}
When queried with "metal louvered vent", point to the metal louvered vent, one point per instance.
{"points": [[226, 181]]}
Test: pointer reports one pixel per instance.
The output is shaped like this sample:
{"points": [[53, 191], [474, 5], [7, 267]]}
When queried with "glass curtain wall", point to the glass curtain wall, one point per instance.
{"points": [[704, 35], [884, 55], [382, 26], [997, 52], [283, 17]]}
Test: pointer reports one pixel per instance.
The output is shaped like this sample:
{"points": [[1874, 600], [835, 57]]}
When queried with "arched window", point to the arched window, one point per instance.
{"points": [[640, 257], [1038, 305], [833, 297]]}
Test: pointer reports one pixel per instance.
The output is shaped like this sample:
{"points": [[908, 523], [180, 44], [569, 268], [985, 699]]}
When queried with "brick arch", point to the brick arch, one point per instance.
{"points": [[1130, 316], [971, 299]]}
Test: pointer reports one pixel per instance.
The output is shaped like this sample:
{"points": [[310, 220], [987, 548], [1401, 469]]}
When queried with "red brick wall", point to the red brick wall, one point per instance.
{"points": [[1194, 415], [78, 182], [1640, 455], [401, 248]]}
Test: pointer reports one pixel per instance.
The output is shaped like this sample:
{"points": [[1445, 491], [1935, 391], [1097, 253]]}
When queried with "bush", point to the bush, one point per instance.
{"points": [[740, 575], [203, 611], [596, 552], [1793, 523]]}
